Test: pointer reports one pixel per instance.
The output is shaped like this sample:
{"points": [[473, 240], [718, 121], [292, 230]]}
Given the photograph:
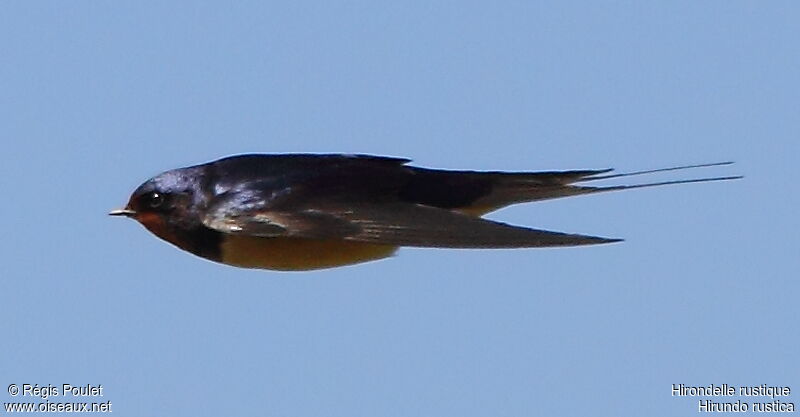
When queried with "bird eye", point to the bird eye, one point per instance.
{"points": [[155, 200]]}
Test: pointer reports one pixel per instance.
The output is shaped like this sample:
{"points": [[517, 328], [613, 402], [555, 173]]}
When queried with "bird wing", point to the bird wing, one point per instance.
{"points": [[262, 213]]}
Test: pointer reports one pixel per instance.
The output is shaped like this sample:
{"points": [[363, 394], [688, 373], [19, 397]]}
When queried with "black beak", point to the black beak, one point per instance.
{"points": [[122, 212]]}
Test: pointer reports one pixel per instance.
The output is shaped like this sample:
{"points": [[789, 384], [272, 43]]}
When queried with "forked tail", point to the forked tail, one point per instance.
{"points": [[512, 188]]}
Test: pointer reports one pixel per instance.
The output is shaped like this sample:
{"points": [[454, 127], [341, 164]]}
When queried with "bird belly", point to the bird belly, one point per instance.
{"points": [[297, 254]]}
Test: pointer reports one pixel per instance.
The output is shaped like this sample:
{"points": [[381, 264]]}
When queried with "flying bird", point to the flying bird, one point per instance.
{"points": [[314, 211]]}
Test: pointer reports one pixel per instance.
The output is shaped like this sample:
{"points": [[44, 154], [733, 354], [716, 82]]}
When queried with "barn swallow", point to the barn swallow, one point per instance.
{"points": [[313, 211]]}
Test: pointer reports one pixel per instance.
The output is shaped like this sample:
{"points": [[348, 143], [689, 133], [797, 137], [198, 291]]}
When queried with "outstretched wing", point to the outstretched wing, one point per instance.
{"points": [[257, 213]]}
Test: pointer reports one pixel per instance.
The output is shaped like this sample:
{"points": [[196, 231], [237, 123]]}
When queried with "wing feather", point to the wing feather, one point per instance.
{"points": [[424, 226], [391, 223]]}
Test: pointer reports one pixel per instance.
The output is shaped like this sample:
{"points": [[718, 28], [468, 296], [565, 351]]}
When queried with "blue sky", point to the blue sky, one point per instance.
{"points": [[99, 96]]}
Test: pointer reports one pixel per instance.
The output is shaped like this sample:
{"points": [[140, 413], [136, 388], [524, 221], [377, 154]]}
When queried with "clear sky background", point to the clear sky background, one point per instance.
{"points": [[96, 97]]}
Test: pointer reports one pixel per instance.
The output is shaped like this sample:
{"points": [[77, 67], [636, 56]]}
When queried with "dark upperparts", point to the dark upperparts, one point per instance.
{"points": [[369, 176]]}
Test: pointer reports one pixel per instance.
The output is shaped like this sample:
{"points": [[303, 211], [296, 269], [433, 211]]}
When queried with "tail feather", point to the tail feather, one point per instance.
{"points": [[658, 184], [515, 188], [651, 171]]}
